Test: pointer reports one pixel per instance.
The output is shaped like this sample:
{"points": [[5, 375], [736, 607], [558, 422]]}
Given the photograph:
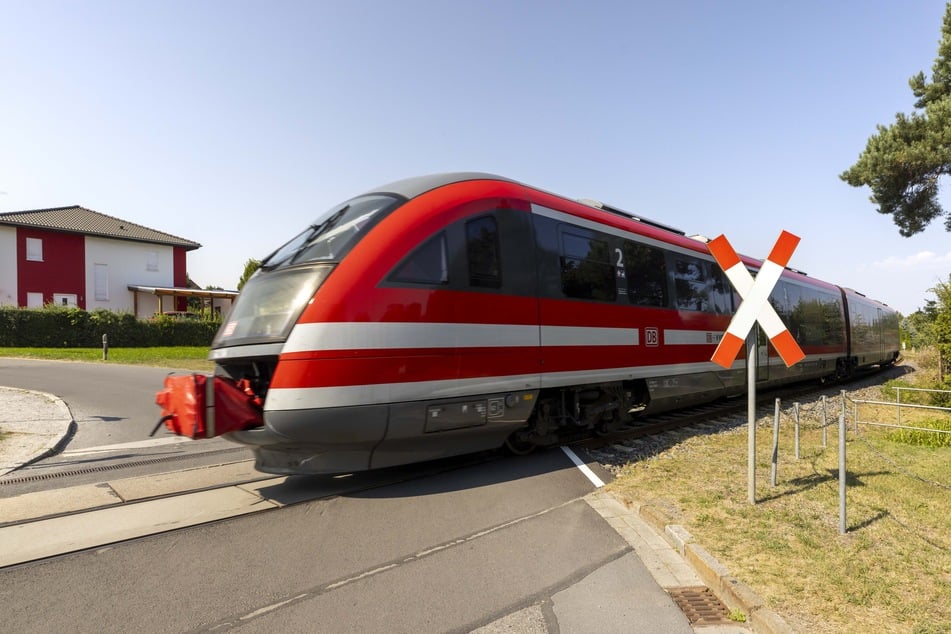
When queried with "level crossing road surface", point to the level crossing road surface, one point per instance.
{"points": [[447, 551], [513, 544]]}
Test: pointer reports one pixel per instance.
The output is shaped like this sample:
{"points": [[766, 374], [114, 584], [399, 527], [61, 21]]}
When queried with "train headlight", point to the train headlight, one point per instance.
{"points": [[269, 305]]}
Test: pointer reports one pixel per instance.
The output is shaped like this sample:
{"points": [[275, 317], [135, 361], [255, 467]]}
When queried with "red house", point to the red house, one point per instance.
{"points": [[74, 256]]}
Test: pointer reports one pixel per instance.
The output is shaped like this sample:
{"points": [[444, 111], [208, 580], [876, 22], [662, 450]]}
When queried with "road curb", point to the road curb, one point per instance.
{"points": [[44, 419], [736, 595]]}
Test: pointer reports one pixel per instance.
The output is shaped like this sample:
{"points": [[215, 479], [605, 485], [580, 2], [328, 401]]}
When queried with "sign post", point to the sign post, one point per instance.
{"points": [[751, 354], [755, 308]]}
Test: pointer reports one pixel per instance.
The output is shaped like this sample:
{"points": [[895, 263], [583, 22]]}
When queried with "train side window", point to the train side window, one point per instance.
{"points": [[587, 271], [699, 285], [645, 268], [721, 294], [482, 249], [816, 319], [777, 299], [429, 264]]}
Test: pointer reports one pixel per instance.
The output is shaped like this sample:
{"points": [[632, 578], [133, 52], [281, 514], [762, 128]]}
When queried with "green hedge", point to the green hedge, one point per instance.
{"points": [[63, 327]]}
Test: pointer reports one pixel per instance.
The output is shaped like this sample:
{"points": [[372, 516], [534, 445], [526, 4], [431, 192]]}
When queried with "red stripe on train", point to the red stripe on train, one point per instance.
{"points": [[302, 369]]}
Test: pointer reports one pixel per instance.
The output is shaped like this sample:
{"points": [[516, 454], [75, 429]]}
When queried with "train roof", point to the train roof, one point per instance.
{"points": [[418, 185], [415, 186]]}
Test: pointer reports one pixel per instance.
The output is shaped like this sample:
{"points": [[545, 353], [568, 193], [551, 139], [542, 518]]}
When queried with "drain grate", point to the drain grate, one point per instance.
{"points": [[115, 466], [700, 605]]}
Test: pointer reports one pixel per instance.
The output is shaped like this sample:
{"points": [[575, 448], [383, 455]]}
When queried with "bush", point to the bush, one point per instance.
{"points": [[924, 438], [66, 327]]}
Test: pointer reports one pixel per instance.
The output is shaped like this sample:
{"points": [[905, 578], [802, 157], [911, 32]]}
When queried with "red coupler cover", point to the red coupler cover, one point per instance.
{"points": [[183, 404], [236, 406], [185, 410]]}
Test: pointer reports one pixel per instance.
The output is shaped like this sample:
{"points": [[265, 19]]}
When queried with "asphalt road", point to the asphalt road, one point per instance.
{"points": [[449, 551]]}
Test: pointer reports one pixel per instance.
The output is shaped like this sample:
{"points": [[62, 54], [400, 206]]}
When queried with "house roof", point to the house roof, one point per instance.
{"points": [[76, 219]]}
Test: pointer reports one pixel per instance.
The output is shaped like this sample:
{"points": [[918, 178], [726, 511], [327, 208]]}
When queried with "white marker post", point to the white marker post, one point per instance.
{"points": [[755, 308]]}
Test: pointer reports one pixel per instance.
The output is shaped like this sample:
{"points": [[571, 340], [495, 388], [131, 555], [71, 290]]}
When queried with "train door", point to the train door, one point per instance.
{"points": [[498, 272], [579, 272]]}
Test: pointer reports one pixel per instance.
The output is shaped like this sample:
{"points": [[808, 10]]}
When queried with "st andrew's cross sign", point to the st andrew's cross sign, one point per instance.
{"points": [[755, 306]]}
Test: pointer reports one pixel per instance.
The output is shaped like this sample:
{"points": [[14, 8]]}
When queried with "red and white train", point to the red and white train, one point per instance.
{"points": [[453, 313]]}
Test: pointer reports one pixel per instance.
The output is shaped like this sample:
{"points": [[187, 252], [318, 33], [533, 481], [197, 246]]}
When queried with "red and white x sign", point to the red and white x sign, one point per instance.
{"points": [[755, 306]]}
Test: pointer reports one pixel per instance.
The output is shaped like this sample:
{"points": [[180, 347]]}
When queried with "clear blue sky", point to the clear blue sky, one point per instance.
{"points": [[236, 123]]}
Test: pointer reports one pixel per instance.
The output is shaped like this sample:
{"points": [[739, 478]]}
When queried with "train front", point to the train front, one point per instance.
{"points": [[245, 401]]}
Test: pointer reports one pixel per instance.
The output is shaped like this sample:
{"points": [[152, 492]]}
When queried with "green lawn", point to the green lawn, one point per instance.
{"points": [[179, 357]]}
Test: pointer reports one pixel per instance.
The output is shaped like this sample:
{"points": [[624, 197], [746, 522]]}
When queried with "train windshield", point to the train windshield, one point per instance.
{"points": [[329, 239]]}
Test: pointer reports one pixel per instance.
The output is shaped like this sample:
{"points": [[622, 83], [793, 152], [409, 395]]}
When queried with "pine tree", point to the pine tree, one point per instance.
{"points": [[903, 162]]}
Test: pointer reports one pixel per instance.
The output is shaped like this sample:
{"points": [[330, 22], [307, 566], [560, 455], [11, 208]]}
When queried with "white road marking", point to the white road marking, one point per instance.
{"points": [[138, 444], [585, 469]]}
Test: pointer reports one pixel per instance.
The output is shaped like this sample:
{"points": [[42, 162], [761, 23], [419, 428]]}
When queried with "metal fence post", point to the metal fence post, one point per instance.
{"points": [[825, 422], [775, 445], [105, 347], [796, 414], [842, 474], [898, 404]]}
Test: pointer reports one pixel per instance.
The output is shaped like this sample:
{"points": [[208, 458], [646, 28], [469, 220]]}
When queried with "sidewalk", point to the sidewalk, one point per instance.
{"points": [[32, 425]]}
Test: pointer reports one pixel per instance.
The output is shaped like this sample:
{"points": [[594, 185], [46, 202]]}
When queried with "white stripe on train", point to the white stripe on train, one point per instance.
{"points": [[393, 335]]}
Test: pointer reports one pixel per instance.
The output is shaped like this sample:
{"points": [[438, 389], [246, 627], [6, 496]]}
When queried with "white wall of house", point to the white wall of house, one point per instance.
{"points": [[8, 266], [112, 265]]}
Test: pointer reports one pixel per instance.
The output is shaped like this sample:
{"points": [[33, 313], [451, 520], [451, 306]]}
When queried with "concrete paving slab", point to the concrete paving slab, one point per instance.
{"points": [[29, 506], [45, 538], [531, 620], [668, 567], [604, 602], [139, 488]]}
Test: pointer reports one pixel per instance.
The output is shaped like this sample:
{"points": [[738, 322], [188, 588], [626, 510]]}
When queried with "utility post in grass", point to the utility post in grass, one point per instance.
{"points": [[754, 308]]}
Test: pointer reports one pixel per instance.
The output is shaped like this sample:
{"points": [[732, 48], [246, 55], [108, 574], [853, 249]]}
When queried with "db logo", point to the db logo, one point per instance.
{"points": [[651, 337]]}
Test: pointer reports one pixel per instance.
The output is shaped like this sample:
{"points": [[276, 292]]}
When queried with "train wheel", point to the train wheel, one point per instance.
{"points": [[518, 446]]}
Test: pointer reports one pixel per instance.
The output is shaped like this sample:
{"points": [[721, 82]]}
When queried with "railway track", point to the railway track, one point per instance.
{"points": [[61, 521], [305, 488], [726, 411]]}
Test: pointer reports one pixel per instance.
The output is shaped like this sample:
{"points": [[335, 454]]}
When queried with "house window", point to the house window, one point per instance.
{"points": [[101, 282], [34, 249], [151, 261]]}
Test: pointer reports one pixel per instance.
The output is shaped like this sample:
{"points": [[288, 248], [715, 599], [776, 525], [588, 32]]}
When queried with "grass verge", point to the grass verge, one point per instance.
{"points": [[891, 571], [178, 357]]}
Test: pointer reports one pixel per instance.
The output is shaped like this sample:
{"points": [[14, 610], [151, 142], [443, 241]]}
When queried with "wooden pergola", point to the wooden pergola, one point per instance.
{"points": [[162, 292]]}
